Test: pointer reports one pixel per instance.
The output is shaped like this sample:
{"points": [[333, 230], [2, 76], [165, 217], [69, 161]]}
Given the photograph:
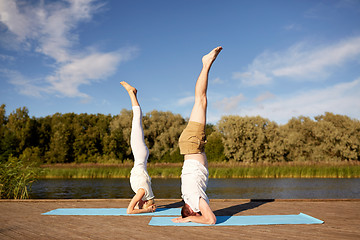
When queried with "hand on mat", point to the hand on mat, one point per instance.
{"points": [[180, 220]]}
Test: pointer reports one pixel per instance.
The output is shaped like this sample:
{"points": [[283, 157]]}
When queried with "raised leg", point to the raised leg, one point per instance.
{"points": [[198, 113], [137, 142]]}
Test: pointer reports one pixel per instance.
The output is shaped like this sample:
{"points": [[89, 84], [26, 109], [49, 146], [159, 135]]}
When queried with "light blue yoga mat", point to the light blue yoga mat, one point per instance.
{"points": [[112, 212], [243, 220]]}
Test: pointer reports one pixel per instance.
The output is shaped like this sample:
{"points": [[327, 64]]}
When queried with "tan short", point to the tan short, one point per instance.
{"points": [[192, 140]]}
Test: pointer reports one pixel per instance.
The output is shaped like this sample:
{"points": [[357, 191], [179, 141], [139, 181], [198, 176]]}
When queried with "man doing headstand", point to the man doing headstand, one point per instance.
{"points": [[194, 176]]}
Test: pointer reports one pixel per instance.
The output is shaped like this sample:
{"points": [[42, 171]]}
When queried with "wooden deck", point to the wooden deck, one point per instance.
{"points": [[23, 220]]}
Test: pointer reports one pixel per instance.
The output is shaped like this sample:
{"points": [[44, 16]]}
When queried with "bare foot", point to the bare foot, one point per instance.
{"points": [[209, 58], [128, 87]]}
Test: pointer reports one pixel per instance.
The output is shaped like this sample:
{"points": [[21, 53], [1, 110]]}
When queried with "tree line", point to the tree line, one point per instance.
{"points": [[99, 138]]}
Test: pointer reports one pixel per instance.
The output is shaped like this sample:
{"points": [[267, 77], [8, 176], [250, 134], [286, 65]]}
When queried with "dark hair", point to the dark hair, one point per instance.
{"points": [[186, 211]]}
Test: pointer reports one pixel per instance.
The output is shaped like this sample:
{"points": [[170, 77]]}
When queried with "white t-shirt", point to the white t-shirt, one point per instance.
{"points": [[139, 178], [194, 180]]}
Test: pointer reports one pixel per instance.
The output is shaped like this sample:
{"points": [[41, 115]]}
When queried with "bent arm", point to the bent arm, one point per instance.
{"points": [[138, 196], [207, 216]]}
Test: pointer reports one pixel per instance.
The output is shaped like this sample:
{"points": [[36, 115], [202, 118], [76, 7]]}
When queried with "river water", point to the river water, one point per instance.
{"points": [[288, 188]]}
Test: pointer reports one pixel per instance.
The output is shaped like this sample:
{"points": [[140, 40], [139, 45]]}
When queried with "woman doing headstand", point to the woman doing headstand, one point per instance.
{"points": [[140, 182]]}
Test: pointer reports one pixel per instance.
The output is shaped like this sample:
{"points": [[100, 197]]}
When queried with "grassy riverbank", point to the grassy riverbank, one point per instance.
{"points": [[216, 170]]}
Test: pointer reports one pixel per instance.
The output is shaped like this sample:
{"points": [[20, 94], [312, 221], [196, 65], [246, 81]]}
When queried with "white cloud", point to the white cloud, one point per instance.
{"points": [[311, 63], [17, 23], [300, 61], [332, 9], [292, 27], [65, 82], [229, 104], [217, 81], [252, 78], [265, 96], [24, 85], [186, 100], [342, 98], [50, 29], [6, 58], [84, 70], [46, 27]]}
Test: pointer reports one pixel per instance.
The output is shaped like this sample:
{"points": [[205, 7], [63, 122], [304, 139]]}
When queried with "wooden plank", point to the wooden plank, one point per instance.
{"points": [[22, 219]]}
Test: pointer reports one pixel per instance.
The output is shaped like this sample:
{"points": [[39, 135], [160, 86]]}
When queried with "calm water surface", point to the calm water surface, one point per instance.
{"points": [[290, 188]]}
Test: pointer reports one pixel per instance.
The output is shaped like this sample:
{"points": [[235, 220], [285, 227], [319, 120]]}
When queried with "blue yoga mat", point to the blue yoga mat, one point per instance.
{"points": [[243, 220], [112, 212]]}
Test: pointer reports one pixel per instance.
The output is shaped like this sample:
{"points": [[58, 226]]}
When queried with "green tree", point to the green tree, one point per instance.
{"points": [[85, 138], [44, 136], [162, 131], [115, 146], [7, 139], [338, 137], [21, 128], [61, 139], [89, 133], [247, 139], [118, 143], [214, 147], [300, 142], [3, 120], [277, 150]]}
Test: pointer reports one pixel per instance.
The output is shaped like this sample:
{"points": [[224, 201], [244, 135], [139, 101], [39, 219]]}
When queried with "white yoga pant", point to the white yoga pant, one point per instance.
{"points": [[139, 177], [137, 142]]}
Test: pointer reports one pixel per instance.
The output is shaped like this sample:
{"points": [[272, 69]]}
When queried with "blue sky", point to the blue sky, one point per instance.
{"points": [[280, 59]]}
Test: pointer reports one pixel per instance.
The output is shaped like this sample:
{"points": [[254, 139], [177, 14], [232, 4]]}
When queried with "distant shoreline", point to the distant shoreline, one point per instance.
{"points": [[216, 170]]}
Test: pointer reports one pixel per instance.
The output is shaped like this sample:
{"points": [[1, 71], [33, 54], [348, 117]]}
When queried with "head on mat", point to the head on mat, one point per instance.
{"points": [[146, 204], [186, 211]]}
